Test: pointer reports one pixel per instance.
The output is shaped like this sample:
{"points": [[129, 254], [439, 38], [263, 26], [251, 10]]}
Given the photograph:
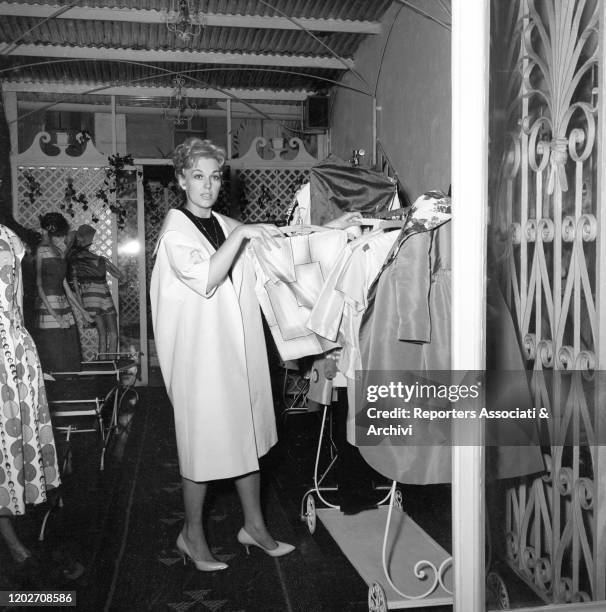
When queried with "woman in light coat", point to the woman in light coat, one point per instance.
{"points": [[212, 353]]}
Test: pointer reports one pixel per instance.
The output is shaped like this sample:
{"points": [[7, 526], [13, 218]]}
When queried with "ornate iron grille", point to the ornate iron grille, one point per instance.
{"points": [[546, 235]]}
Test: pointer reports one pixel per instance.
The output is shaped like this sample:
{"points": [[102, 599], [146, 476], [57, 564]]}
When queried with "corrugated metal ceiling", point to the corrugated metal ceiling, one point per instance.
{"points": [[362, 10], [76, 39], [131, 35]]}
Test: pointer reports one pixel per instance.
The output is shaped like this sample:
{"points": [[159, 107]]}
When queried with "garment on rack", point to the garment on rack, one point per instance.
{"points": [[337, 187], [406, 326], [289, 280], [338, 311], [506, 386], [28, 457]]}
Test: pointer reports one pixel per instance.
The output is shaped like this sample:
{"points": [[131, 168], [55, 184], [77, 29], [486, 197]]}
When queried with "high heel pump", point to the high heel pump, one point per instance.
{"points": [[203, 566], [247, 541]]}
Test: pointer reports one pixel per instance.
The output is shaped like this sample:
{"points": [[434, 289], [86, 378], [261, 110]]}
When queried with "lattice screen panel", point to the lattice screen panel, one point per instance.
{"points": [[157, 203], [53, 182], [129, 294], [279, 183]]}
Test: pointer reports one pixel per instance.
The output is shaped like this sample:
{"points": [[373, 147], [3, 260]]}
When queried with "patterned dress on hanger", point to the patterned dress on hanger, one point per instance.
{"points": [[28, 466]]}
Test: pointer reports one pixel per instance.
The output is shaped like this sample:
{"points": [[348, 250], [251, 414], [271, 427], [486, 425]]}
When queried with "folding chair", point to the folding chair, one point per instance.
{"points": [[72, 416], [126, 366], [77, 403], [74, 396]]}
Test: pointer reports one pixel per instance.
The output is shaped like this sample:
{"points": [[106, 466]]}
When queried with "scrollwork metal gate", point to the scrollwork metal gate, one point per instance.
{"points": [[546, 229]]}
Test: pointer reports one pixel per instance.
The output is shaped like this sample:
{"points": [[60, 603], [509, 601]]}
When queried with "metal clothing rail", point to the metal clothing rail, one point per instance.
{"points": [[385, 538]]}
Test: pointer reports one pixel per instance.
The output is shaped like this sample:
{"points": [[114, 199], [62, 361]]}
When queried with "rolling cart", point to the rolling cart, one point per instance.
{"points": [[401, 564]]}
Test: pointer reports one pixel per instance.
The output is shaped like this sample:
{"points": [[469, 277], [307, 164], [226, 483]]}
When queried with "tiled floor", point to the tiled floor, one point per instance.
{"points": [[120, 526]]}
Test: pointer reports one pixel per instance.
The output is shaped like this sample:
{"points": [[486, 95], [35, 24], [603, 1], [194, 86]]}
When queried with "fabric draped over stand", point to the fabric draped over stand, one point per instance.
{"points": [[337, 187]]}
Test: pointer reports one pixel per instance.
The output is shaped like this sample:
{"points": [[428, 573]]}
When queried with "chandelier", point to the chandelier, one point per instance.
{"points": [[179, 110], [183, 20]]}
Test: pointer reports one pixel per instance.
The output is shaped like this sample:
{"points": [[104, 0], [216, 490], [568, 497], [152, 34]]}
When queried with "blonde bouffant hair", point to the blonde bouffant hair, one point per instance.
{"points": [[187, 154]]}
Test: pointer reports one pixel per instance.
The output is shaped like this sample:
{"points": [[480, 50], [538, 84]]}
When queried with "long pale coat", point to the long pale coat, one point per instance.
{"points": [[212, 355]]}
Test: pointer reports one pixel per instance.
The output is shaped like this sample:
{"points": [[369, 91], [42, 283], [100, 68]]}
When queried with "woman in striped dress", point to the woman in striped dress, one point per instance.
{"points": [[89, 275], [57, 333]]}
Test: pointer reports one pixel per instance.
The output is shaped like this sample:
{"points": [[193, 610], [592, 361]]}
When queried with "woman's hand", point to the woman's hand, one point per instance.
{"points": [[222, 261], [264, 232], [62, 320], [87, 317], [346, 220]]}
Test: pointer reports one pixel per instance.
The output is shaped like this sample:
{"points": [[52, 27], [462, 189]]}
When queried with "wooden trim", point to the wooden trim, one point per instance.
{"points": [[291, 115], [142, 277], [266, 22], [186, 57], [152, 92], [153, 161], [9, 100], [252, 159], [470, 82], [35, 156]]}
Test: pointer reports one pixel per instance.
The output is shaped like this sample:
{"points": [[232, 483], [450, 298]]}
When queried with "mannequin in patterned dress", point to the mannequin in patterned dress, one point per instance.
{"points": [[28, 458]]}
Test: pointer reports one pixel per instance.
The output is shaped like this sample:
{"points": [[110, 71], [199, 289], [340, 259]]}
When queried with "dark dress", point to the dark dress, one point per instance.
{"points": [[58, 347], [209, 228]]}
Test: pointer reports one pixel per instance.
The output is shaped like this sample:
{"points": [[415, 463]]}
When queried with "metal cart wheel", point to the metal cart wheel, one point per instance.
{"points": [[377, 600], [310, 513], [497, 596]]}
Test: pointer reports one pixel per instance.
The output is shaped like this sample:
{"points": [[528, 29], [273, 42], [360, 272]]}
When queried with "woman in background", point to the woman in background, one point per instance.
{"points": [[89, 276], [57, 334]]}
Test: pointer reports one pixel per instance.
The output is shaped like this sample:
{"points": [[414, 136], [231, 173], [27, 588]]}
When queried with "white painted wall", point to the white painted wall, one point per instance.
{"points": [[103, 133], [413, 92]]}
